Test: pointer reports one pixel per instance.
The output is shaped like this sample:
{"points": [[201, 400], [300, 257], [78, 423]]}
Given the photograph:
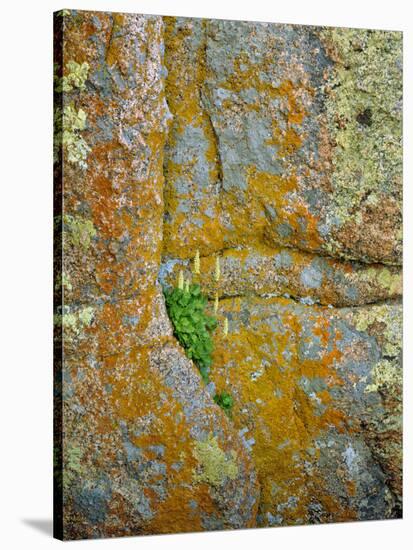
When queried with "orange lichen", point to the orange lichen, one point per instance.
{"points": [[129, 412], [112, 52], [138, 393], [248, 222], [183, 90], [247, 75], [284, 421]]}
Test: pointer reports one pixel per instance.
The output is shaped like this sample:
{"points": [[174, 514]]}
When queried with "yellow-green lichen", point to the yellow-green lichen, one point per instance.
{"points": [[215, 465], [67, 285], [75, 321], [75, 77], [73, 122], [364, 319], [72, 465], [364, 94], [390, 281], [63, 281], [86, 315], [389, 320], [385, 375], [78, 231]]}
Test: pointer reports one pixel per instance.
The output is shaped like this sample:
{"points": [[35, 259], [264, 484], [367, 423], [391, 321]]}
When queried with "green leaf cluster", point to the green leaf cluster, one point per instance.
{"points": [[225, 401], [192, 327]]}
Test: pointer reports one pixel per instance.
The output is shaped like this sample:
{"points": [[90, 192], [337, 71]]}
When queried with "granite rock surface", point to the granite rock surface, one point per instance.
{"points": [[274, 150]]}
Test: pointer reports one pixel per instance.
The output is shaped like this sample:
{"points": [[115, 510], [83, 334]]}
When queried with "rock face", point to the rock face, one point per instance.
{"points": [[145, 449], [306, 124], [276, 150]]}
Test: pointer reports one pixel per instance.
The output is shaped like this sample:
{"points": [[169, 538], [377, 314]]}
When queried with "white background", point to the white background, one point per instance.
{"points": [[26, 270]]}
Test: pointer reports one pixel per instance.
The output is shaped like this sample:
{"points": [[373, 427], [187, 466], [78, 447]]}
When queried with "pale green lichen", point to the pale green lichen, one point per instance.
{"points": [[74, 121], [363, 320], [69, 122], [383, 276], [373, 199], [85, 316], [364, 95], [77, 231], [63, 13], [389, 318], [215, 465], [390, 281], [72, 465], [63, 281], [75, 321], [385, 374], [66, 282], [75, 77]]}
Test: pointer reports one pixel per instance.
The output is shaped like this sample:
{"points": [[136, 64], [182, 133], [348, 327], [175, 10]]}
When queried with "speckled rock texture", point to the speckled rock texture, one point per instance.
{"points": [[275, 152]]}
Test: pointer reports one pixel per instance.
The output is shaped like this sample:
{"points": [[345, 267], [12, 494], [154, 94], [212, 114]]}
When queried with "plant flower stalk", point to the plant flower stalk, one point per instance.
{"points": [[216, 302], [197, 264], [181, 280], [225, 331], [217, 275]]}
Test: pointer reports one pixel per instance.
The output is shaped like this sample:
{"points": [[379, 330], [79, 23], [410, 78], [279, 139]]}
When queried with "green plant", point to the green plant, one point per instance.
{"points": [[192, 327], [225, 401]]}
